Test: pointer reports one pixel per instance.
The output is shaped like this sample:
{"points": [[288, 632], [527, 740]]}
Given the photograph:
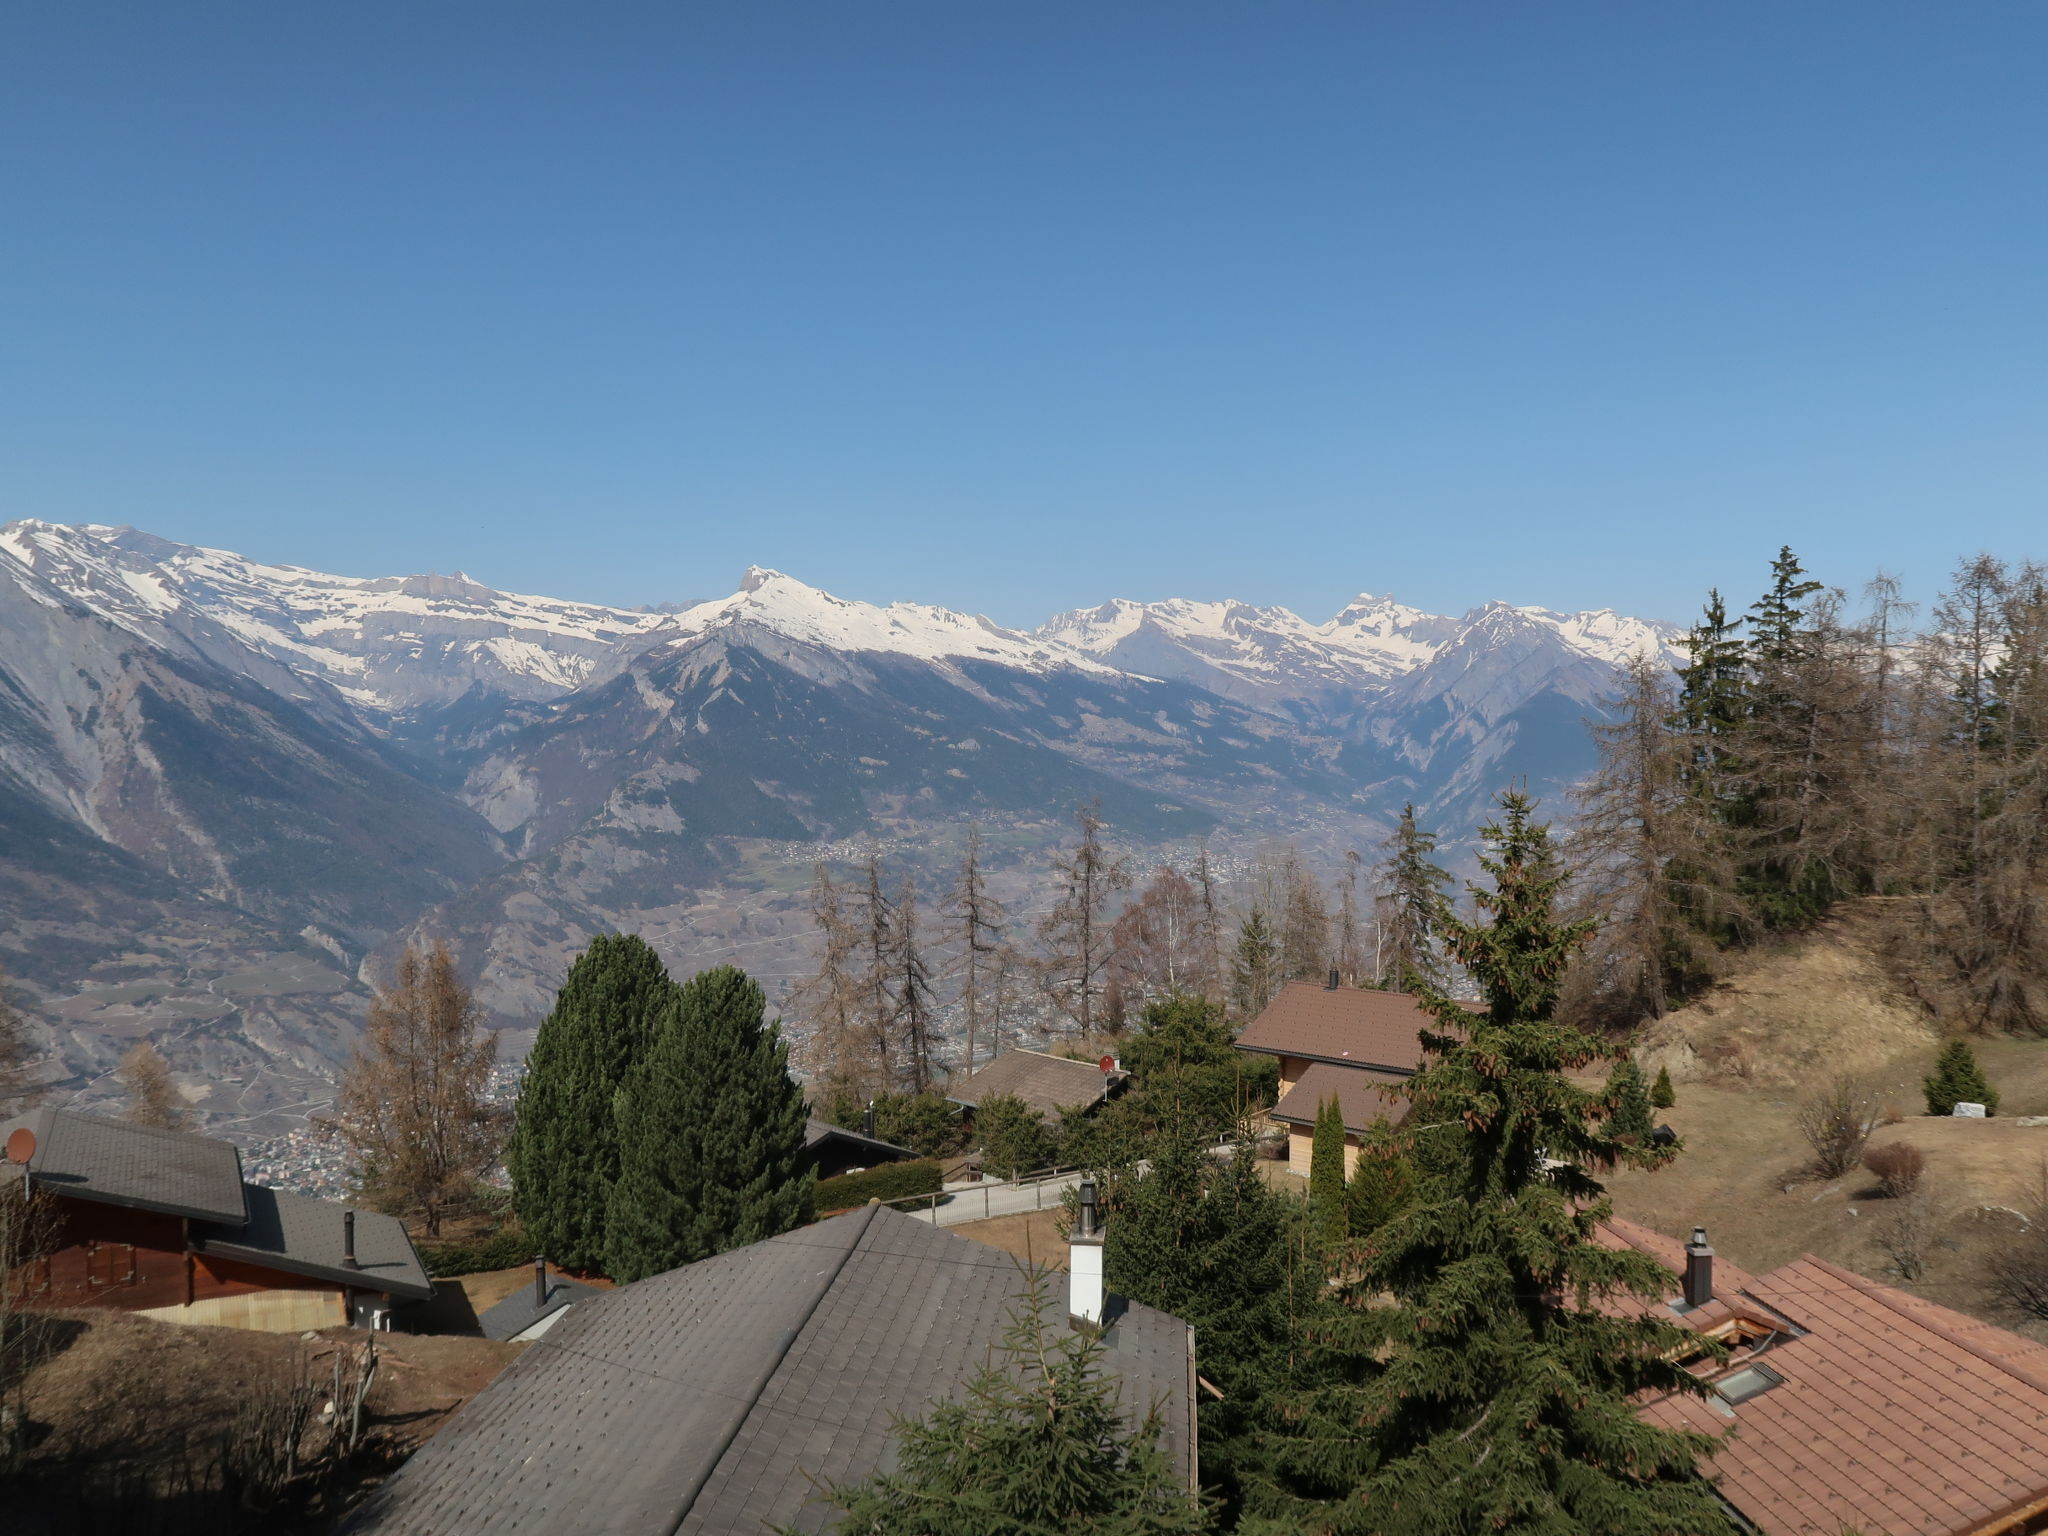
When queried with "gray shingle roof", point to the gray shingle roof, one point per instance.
{"points": [[303, 1236], [180, 1173], [817, 1132], [708, 1398], [518, 1311], [1048, 1084]]}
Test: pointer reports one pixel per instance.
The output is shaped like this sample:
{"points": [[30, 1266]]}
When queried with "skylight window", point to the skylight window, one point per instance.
{"points": [[1751, 1381]]}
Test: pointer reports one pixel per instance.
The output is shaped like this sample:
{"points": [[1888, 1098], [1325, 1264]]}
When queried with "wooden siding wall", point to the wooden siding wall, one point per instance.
{"points": [[111, 1256]]}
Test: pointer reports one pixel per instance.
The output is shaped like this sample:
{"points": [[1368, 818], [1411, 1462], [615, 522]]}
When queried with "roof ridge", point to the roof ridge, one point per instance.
{"points": [[856, 1230], [1883, 1295]]}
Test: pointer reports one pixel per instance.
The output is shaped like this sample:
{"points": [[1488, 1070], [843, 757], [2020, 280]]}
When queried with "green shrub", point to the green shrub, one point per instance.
{"points": [[500, 1250], [1013, 1137], [891, 1181]]}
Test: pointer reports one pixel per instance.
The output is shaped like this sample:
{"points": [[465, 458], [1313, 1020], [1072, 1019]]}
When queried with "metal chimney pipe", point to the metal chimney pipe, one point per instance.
{"points": [[1699, 1270], [1334, 981], [348, 1241], [540, 1282], [1084, 1261], [867, 1121]]}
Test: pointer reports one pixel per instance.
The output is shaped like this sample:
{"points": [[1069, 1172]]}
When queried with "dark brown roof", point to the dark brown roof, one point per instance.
{"points": [[708, 1399], [1359, 1092], [176, 1173], [1048, 1084], [817, 1132], [1348, 1025], [1891, 1414]]}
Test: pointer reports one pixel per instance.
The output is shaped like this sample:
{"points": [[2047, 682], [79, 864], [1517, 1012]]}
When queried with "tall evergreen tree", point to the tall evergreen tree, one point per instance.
{"points": [[1489, 1390], [1957, 1079], [913, 995], [1713, 703], [1326, 1206], [1382, 1186], [564, 1156], [711, 1134], [1077, 932], [1411, 908], [1208, 1242], [1349, 955]]}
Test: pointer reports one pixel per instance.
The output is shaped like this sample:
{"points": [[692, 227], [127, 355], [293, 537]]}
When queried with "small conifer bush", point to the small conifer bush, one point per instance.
{"points": [[1957, 1079], [1662, 1094]]}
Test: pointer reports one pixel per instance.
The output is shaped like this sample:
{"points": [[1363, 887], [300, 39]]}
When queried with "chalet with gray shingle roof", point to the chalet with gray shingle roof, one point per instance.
{"points": [[833, 1149], [709, 1398], [1047, 1083], [162, 1223]]}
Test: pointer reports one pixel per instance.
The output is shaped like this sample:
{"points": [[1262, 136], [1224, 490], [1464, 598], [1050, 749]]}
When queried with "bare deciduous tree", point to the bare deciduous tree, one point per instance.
{"points": [[1836, 1121], [1162, 940], [912, 994], [413, 1106], [19, 1088], [1077, 932], [980, 922]]}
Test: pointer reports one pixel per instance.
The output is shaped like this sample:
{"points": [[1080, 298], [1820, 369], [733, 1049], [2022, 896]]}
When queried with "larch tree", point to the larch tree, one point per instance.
{"points": [[1211, 920], [1411, 909], [153, 1098], [1656, 867], [711, 1134], [1349, 955], [414, 1105], [20, 1084], [912, 994], [1493, 1391], [1077, 933], [1304, 922], [875, 992], [838, 1054], [564, 1155], [980, 925], [1254, 966]]}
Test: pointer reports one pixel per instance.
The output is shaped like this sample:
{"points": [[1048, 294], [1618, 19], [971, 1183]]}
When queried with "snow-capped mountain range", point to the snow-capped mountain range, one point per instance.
{"points": [[227, 788]]}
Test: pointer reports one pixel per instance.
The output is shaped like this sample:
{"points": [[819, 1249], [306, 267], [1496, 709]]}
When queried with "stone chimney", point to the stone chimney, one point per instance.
{"points": [[1699, 1270], [1084, 1261]]}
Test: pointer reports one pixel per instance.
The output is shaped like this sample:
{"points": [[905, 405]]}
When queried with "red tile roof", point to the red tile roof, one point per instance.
{"points": [[1348, 1025], [1359, 1092], [1893, 1415]]}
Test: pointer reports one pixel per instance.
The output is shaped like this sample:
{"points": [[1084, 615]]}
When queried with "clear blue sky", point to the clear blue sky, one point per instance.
{"points": [[1017, 305]]}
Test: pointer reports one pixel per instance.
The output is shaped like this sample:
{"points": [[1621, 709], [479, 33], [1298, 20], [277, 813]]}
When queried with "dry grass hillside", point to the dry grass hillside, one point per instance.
{"points": [[1746, 1054]]}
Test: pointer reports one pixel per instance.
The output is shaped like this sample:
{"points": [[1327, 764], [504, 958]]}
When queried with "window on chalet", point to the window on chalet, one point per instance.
{"points": [[109, 1264]]}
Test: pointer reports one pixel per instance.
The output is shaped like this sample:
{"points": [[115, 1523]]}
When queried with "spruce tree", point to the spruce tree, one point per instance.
{"points": [[1382, 1185], [1488, 1390], [1662, 1094], [1040, 1444], [1255, 968], [1957, 1079], [711, 1134], [1326, 1174], [1630, 1097], [1411, 908], [564, 1156], [1208, 1242]]}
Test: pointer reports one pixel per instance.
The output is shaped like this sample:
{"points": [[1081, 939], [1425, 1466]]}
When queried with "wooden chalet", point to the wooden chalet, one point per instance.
{"points": [[161, 1223], [1336, 1042]]}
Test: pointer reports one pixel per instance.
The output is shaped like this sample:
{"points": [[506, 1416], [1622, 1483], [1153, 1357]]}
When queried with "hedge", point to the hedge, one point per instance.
{"points": [[501, 1250], [891, 1181]]}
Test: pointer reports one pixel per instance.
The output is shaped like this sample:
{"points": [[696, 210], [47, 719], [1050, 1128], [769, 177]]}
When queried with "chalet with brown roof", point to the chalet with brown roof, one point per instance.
{"points": [[1342, 1043], [161, 1223], [1855, 1406]]}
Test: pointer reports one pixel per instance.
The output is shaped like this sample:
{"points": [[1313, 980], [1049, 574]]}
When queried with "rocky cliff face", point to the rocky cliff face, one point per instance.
{"points": [[230, 788]]}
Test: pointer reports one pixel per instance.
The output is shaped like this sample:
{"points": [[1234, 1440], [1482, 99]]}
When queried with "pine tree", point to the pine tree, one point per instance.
{"points": [[1304, 923], [1012, 1136], [564, 1156], [711, 1134], [1957, 1079], [153, 1099], [1326, 1205], [1040, 1444], [1713, 704], [913, 995], [1382, 1185], [1662, 1094], [1412, 910], [1255, 968], [1489, 1391], [1629, 1098], [1775, 618]]}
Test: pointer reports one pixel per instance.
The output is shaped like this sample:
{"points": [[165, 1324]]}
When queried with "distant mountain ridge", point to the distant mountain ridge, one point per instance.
{"points": [[312, 767]]}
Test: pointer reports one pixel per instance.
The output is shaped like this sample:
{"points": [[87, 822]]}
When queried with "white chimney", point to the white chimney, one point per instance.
{"points": [[1084, 1261]]}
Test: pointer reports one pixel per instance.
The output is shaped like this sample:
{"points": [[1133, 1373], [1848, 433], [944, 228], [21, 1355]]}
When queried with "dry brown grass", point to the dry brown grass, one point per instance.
{"points": [[1033, 1236]]}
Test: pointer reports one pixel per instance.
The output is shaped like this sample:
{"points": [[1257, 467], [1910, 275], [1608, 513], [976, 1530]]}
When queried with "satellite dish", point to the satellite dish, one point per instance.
{"points": [[1108, 1063], [21, 1144]]}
